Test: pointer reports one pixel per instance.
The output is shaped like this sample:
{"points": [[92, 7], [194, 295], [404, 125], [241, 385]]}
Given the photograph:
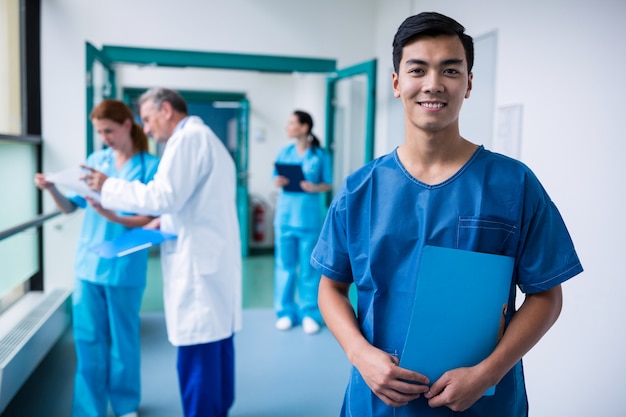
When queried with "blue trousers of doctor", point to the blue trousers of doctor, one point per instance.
{"points": [[293, 267], [106, 336], [206, 374]]}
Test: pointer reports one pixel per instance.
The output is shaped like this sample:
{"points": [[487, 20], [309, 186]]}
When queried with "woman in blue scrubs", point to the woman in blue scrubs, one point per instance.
{"points": [[108, 292], [297, 223]]}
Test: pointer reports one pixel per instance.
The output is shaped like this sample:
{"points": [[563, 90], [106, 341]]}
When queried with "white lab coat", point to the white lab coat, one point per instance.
{"points": [[194, 191]]}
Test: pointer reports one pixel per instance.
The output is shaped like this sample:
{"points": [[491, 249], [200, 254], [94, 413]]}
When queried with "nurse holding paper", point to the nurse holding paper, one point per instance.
{"points": [[108, 292]]}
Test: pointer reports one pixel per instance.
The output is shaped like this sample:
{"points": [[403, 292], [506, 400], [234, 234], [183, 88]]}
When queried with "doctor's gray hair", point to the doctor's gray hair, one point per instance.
{"points": [[158, 95]]}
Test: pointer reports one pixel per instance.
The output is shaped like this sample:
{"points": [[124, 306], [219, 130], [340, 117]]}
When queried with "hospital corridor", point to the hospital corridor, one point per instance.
{"points": [[179, 116], [277, 374]]}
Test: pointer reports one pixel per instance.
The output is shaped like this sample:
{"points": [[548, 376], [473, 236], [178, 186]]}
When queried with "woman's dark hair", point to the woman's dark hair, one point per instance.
{"points": [[305, 119], [118, 112], [430, 24]]}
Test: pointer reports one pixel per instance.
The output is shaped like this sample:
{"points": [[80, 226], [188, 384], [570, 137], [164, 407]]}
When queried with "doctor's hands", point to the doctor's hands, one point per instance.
{"points": [[394, 385], [154, 224], [94, 179]]}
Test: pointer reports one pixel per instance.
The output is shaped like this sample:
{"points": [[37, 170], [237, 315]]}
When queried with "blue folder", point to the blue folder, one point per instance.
{"points": [[294, 173], [460, 301], [131, 241]]}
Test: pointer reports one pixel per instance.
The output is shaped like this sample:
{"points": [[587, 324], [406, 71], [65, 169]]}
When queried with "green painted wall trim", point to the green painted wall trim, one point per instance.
{"points": [[222, 60]]}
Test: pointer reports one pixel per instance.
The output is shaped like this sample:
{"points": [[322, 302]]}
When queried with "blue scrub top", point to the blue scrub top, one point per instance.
{"points": [[382, 217], [129, 270], [301, 209]]}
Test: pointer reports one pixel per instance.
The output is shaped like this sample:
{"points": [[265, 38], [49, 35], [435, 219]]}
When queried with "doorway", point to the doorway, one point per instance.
{"points": [[102, 83]]}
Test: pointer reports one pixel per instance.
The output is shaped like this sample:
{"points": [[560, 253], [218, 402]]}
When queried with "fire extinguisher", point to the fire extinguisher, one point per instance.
{"points": [[258, 222]]}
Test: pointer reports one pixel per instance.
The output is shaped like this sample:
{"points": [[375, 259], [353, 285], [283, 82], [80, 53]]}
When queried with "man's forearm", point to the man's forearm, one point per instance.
{"points": [[534, 318]]}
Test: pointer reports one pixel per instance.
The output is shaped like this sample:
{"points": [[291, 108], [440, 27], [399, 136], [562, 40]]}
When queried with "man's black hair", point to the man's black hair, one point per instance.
{"points": [[430, 24]]}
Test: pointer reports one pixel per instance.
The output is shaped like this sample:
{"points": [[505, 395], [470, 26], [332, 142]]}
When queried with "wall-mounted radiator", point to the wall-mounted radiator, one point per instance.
{"points": [[28, 330]]}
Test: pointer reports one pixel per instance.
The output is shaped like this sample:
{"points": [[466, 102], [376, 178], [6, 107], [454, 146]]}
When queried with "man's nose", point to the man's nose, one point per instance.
{"points": [[433, 82]]}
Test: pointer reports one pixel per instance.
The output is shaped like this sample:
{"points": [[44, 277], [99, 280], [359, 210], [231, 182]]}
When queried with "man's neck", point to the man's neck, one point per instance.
{"points": [[433, 158]]}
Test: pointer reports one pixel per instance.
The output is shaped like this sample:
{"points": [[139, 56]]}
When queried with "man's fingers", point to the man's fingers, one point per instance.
{"points": [[89, 168]]}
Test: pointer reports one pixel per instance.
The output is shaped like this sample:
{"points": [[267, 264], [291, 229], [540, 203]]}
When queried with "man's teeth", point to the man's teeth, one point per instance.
{"points": [[432, 105]]}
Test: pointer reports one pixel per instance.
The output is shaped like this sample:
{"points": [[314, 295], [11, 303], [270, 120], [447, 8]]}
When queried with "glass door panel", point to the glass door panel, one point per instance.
{"points": [[351, 98], [100, 85], [350, 113]]}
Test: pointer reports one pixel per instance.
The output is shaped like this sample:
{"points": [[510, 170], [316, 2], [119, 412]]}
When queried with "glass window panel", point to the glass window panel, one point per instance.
{"points": [[17, 169], [10, 79], [19, 260], [18, 253]]}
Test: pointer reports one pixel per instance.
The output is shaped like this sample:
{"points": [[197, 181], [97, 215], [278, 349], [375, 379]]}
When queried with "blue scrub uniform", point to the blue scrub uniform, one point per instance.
{"points": [[297, 223], [105, 304], [381, 219]]}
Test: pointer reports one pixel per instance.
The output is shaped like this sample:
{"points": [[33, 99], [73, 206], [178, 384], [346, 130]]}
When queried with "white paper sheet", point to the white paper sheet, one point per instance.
{"points": [[70, 179]]}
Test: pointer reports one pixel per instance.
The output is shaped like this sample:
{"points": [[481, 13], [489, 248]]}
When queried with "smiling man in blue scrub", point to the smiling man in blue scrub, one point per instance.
{"points": [[436, 189]]}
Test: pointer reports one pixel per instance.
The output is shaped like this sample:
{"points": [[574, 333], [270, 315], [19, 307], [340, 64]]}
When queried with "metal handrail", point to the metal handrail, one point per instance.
{"points": [[37, 221]]}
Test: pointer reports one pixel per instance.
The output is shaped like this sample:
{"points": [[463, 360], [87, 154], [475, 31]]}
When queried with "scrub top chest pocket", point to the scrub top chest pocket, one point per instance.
{"points": [[487, 235]]}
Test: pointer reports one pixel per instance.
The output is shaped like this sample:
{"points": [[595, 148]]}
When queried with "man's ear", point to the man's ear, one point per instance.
{"points": [[394, 85], [167, 109], [469, 84]]}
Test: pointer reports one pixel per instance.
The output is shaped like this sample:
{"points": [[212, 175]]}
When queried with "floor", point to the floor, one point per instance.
{"points": [[278, 374]]}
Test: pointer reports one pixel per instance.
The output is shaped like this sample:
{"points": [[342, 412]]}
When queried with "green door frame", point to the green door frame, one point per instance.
{"points": [[92, 55], [111, 54], [367, 68]]}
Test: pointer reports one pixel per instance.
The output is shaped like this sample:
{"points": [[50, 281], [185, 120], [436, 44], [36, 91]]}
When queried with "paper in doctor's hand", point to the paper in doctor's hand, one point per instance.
{"points": [[72, 179]]}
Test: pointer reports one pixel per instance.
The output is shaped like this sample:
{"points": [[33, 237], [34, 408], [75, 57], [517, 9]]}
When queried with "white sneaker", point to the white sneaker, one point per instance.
{"points": [[133, 414], [310, 326], [284, 323]]}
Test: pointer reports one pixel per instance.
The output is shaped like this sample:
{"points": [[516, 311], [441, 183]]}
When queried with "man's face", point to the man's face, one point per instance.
{"points": [[155, 121], [432, 81]]}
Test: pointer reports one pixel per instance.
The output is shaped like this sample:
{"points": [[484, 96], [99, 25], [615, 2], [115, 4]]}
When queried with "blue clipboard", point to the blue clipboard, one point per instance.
{"points": [[294, 173], [129, 242], [460, 302]]}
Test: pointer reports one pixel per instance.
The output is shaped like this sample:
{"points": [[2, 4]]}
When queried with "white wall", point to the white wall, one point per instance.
{"points": [[560, 59]]}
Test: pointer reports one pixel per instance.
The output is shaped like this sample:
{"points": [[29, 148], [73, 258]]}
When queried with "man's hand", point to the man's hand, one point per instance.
{"points": [[94, 179], [154, 224], [458, 389], [394, 385]]}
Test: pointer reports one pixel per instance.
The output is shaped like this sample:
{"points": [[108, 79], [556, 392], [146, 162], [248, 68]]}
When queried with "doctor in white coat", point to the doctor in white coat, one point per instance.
{"points": [[194, 192]]}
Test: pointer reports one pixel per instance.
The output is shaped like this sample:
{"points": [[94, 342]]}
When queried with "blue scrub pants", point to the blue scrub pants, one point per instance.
{"points": [[206, 375], [106, 337], [293, 267]]}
